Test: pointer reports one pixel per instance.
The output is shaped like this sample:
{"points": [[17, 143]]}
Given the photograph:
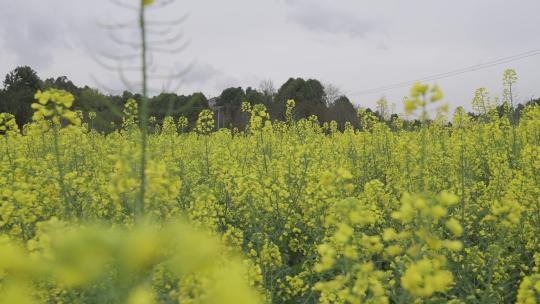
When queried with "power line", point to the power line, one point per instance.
{"points": [[450, 73]]}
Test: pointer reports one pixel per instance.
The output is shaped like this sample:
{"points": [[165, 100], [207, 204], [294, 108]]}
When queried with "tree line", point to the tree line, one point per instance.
{"points": [[311, 97]]}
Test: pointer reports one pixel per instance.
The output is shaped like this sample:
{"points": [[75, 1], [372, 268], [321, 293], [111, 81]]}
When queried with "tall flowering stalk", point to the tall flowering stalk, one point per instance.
{"points": [[419, 99], [139, 206], [52, 110]]}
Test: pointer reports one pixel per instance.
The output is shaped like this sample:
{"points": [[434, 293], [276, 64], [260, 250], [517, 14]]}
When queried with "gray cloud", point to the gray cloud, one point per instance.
{"points": [[355, 44], [205, 74], [29, 34], [382, 46], [326, 19], [200, 73]]}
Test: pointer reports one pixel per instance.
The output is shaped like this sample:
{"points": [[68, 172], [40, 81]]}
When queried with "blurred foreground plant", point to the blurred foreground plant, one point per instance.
{"points": [[150, 263]]}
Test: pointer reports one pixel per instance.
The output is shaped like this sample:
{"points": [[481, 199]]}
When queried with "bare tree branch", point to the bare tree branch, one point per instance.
{"points": [[169, 40], [119, 57], [171, 51], [162, 4], [175, 22], [102, 64], [103, 87], [118, 26], [134, 45], [110, 67], [130, 85], [162, 32], [165, 35], [125, 5]]}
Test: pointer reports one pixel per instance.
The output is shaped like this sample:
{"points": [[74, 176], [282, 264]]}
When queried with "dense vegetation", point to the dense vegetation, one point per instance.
{"points": [[312, 98], [294, 209]]}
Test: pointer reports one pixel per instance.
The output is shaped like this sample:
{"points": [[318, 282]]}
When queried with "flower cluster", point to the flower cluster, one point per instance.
{"points": [[54, 105], [259, 117], [205, 122], [420, 96], [8, 125], [131, 114], [386, 212]]}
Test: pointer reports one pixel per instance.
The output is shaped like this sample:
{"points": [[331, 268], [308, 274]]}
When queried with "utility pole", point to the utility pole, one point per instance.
{"points": [[218, 111]]}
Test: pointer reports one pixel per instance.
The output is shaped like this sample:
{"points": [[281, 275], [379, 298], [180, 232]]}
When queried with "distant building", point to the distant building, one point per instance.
{"points": [[212, 103]]}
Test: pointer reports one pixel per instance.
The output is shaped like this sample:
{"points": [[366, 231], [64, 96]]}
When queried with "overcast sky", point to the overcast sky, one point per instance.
{"points": [[352, 44]]}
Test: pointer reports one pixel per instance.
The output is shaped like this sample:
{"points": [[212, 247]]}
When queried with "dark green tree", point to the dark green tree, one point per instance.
{"points": [[309, 97], [228, 107], [165, 104], [255, 97], [231, 97], [20, 86], [108, 109], [342, 111], [61, 83], [192, 105]]}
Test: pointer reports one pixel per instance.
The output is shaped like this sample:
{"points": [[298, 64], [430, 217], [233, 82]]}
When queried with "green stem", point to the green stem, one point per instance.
{"points": [[10, 159], [462, 171], [423, 147], [139, 207], [63, 193]]}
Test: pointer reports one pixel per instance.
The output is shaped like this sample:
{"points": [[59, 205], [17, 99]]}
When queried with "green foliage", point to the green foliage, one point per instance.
{"points": [[20, 85], [308, 94], [441, 213], [342, 111], [170, 104]]}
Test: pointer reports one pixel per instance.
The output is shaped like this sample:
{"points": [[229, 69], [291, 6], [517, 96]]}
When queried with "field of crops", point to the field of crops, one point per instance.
{"points": [[284, 212]]}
